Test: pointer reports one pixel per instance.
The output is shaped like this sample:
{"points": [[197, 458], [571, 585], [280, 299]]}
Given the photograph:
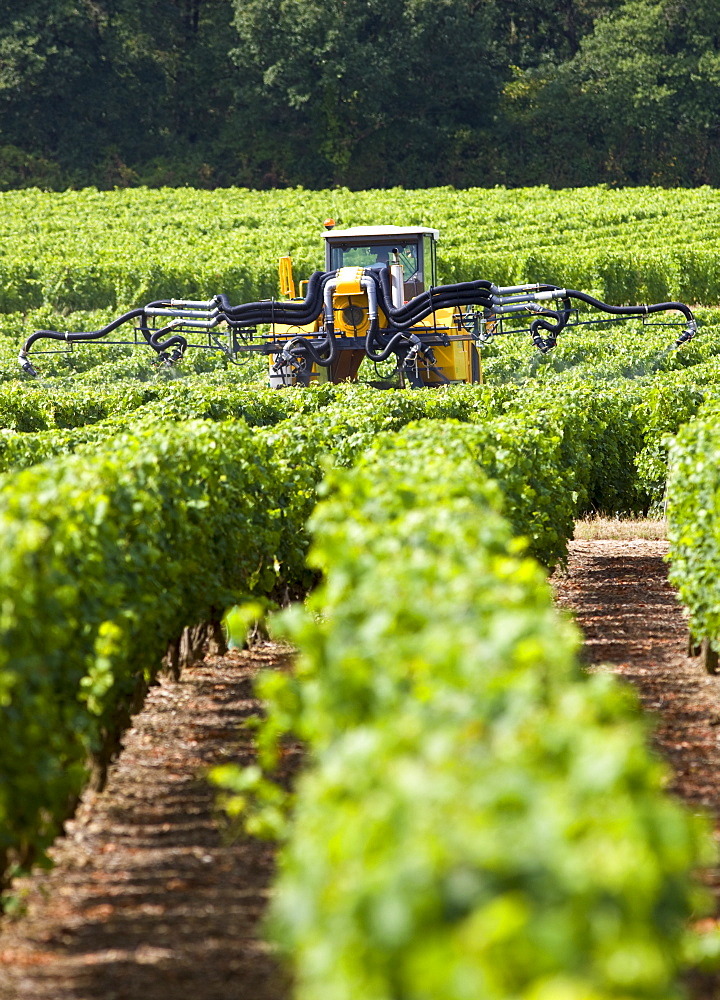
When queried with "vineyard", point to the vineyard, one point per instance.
{"points": [[477, 817]]}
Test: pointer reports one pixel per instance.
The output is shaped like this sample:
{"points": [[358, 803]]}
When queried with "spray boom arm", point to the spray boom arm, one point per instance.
{"points": [[390, 327]]}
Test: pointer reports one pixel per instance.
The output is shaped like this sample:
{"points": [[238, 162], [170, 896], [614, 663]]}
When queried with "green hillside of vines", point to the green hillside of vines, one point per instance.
{"points": [[96, 250]]}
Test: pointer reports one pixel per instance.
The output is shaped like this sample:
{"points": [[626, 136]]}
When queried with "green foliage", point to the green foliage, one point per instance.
{"points": [[448, 92], [694, 521], [341, 418], [667, 408], [525, 459], [372, 89], [600, 435], [604, 444], [106, 557], [75, 81], [34, 407], [638, 99], [482, 818], [83, 250], [158, 519]]}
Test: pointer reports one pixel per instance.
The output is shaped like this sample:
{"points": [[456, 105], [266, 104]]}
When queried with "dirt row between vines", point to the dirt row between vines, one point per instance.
{"points": [[634, 626], [147, 899]]}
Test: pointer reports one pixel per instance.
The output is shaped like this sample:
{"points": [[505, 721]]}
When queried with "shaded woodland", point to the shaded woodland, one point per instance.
{"points": [[358, 93]]}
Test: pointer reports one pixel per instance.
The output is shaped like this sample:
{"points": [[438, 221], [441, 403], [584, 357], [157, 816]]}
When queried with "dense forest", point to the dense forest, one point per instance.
{"points": [[359, 93]]}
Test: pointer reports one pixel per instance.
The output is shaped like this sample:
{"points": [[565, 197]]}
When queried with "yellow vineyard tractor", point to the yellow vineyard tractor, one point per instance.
{"points": [[377, 300]]}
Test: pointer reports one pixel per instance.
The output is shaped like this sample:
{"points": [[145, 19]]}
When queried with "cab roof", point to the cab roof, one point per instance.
{"points": [[380, 232]]}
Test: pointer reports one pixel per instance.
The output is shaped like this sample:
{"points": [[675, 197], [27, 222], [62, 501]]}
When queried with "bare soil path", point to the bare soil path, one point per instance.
{"points": [[147, 901], [634, 626]]}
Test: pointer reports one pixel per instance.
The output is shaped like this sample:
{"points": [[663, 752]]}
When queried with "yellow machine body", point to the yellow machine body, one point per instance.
{"points": [[454, 362], [456, 358], [348, 281], [287, 282], [350, 304]]}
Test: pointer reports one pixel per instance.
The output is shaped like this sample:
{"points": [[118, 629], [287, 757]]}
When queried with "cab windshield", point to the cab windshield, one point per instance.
{"points": [[376, 255]]}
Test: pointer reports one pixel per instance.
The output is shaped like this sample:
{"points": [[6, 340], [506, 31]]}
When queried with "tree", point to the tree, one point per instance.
{"points": [[108, 85], [541, 31], [638, 103], [363, 93]]}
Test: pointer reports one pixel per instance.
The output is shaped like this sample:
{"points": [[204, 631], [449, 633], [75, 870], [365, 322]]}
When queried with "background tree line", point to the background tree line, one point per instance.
{"points": [[361, 93]]}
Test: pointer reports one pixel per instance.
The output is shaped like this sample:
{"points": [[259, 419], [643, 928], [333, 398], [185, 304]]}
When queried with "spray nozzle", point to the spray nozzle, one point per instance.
{"points": [[416, 346], [543, 345], [26, 365], [687, 334], [285, 357]]}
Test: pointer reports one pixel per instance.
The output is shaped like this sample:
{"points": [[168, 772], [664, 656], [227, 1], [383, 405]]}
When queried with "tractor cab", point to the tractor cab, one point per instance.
{"points": [[377, 246]]}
